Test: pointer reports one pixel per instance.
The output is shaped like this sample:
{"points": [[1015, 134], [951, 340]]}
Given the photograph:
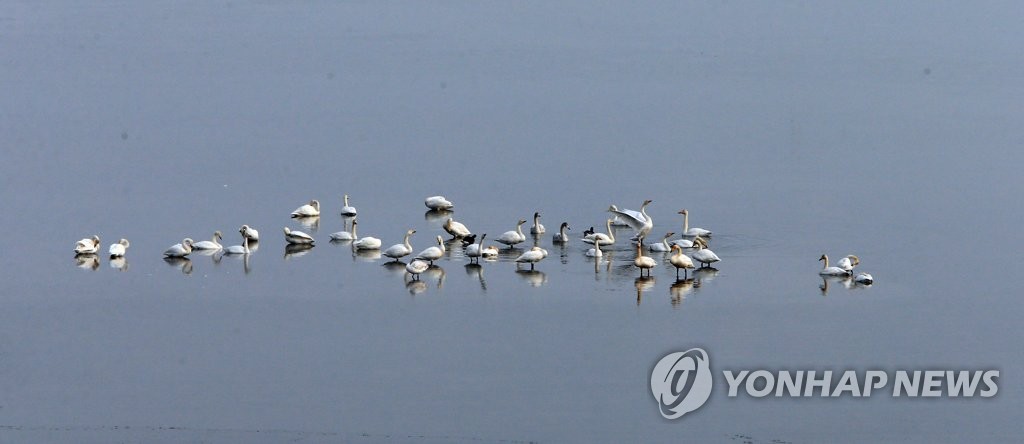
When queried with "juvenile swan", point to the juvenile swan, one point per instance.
{"points": [[561, 236]]}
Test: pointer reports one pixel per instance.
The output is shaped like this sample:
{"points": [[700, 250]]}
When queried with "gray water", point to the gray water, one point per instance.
{"points": [[891, 131]]}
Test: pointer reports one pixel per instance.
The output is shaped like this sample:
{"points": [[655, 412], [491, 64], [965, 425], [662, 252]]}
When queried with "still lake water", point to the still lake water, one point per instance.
{"points": [[790, 130]]}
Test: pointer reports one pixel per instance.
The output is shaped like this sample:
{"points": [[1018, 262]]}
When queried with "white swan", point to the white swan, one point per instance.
{"points": [[179, 250], [683, 243], [703, 255], [118, 249], [601, 238], [432, 254], [297, 237], [680, 260], [213, 244], [639, 221], [531, 256], [692, 232], [438, 203], [864, 279], [643, 262], [416, 267], [561, 236], [345, 235], [398, 251], [364, 243], [594, 252], [831, 271], [847, 263], [475, 251], [308, 210], [347, 210], [89, 245], [489, 252], [456, 229], [662, 246], [537, 227], [514, 237], [239, 249], [249, 233]]}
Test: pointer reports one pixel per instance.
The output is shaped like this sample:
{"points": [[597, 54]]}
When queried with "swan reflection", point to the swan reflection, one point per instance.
{"points": [[311, 223], [119, 263], [437, 216], [679, 290], [87, 261], [535, 278], [642, 284], [477, 271], [183, 264], [295, 251]]}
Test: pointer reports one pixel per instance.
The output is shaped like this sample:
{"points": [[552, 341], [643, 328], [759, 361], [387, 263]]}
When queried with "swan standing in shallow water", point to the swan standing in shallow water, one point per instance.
{"points": [[249, 233], [831, 271], [561, 236], [639, 221], [680, 260], [213, 244], [297, 237], [643, 262], [89, 245], [532, 256], [456, 229], [398, 251], [345, 235], [179, 250], [118, 249], [847, 263], [239, 249], [601, 238], [347, 210], [537, 227], [475, 251], [662, 246], [415, 268], [864, 279], [703, 255], [308, 210], [365, 243], [438, 203], [432, 254], [692, 232], [514, 237]]}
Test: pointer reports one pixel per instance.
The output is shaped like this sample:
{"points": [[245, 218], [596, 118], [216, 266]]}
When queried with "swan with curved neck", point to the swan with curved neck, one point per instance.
{"points": [[705, 256], [847, 263], [831, 271], [680, 260], [643, 262], [308, 210], [537, 227], [456, 229], [118, 249], [89, 245], [398, 251], [602, 238], [180, 250], [662, 246], [250, 233], [561, 236], [687, 231], [512, 238], [639, 221]]}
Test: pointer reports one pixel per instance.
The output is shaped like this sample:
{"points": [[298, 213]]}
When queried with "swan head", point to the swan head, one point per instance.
{"points": [[823, 258], [448, 223], [123, 242], [647, 202], [853, 259], [315, 204], [217, 234], [355, 222], [536, 215], [287, 230], [670, 234], [676, 247], [521, 221], [565, 225], [96, 239], [683, 212], [410, 232], [613, 208], [243, 229], [440, 240], [187, 242]]}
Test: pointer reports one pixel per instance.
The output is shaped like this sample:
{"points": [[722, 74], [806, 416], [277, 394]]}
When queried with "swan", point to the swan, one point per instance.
{"points": [[179, 250], [213, 244], [662, 246], [703, 255], [643, 262], [416, 267], [438, 203], [684, 243], [537, 227], [692, 232], [89, 245], [831, 271], [513, 237], [364, 243], [680, 260], [847, 263], [601, 238], [239, 249], [118, 249], [308, 210], [639, 221], [532, 256], [595, 252], [345, 235], [864, 279], [347, 210], [297, 237], [249, 233], [475, 251], [432, 254], [456, 229], [489, 252], [398, 251], [561, 236]]}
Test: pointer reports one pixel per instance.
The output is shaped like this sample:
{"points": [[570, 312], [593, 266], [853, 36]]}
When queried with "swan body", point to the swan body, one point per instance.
{"points": [[364, 243], [513, 237], [416, 267], [308, 210], [118, 249], [692, 232], [847, 263], [438, 203], [475, 251], [537, 227], [212, 244], [249, 233], [561, 236], [680, 260], [683, 243], [456, 229], [489, 252], [239, 249], [398, 251], [831, 271], [594, 252], [297, 237], [532, 256], [432, 254], [345, 235], [643, 262], [347, 210], [89, 245], [601, 238], [179, 250], [864, 279], [662, 246], [639, 221], [703, 255]]}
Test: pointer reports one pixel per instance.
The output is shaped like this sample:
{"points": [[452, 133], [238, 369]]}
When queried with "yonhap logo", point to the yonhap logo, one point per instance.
{"points": [[681, 382]]}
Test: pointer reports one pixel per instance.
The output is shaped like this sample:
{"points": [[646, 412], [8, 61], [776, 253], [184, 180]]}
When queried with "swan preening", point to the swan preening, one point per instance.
{"points": [[432, 254], [831, 271], [511, 238], [89, 245], [537, 227], [297, 237], [705, 256], [212, 244], [847, 263], [416, 267], [456, 229], [179, 250], [308, 210], [249, 233], [561, 236], [347, 210], [532, 256], [845, 269], [118, 249], [691, 232], [638, 220], [398, 251], [438, 203]]}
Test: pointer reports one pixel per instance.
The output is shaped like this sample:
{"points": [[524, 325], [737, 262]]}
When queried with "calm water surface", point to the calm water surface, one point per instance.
{"points": [[790, 130]]}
